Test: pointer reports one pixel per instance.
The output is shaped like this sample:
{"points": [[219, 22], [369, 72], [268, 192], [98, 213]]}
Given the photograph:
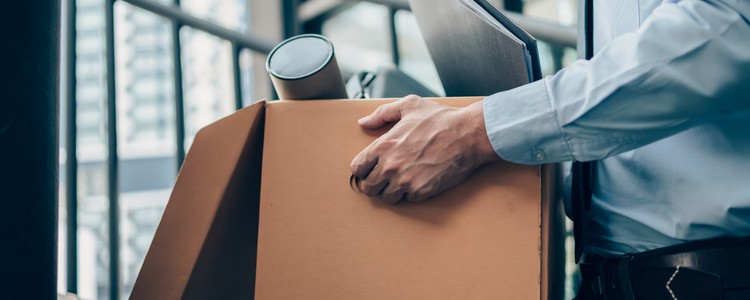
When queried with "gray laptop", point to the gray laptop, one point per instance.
{"points": [[477, 50]]}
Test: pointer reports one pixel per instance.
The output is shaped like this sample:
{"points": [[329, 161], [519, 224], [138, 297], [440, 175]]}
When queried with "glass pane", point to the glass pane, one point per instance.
{"points": [[93, 207], [246, 76], [231, 14], [145, 127], [563, 12], [207, 80], [415, 58], [145, 131], [546, 58], [360, 37]]}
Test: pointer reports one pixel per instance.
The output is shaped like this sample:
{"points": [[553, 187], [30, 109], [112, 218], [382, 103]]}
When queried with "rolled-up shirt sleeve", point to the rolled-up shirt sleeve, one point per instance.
{"points": [[687, 64]]}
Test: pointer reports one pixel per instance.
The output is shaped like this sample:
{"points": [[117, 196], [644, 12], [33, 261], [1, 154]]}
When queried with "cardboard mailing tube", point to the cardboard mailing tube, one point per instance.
{"points": [[304, 68]]}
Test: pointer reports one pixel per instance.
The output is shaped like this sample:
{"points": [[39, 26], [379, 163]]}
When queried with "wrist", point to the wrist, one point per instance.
{"points": [[480, 140]]}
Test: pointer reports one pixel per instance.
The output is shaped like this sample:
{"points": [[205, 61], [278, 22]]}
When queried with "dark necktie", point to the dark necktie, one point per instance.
{"points": [[583, 172]]}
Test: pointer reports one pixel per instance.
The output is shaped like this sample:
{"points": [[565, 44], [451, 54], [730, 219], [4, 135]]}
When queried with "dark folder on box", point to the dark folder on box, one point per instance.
{"points": [[477, 50]]}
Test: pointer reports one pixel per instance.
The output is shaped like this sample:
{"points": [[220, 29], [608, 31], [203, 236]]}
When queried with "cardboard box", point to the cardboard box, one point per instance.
{"points": [[294, 228]]}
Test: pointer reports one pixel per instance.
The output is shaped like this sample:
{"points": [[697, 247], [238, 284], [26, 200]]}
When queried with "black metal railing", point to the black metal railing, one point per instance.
{"points": [[295, 19], [71, 148], [179, 19], [113, 160]]}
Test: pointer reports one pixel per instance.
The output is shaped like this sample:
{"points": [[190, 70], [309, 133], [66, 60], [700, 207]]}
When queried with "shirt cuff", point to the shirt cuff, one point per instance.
{"points": [[523, 127]]}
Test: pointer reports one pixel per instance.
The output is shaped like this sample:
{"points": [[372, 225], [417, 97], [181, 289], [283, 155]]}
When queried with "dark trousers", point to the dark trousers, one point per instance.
{"points": [[705, 270]]}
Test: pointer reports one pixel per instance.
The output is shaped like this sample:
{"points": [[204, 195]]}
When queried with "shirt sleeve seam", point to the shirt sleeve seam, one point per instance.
{"points": [[555, 116], [630, 139]]}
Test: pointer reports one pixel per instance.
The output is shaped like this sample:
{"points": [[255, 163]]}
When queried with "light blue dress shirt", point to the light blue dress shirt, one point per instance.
{"points": [[664, 106]]}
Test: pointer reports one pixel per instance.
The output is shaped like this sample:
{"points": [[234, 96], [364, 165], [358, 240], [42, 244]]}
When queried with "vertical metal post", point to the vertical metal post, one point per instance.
{"points": [[393, 34], [112, 157], [179, 115], [289, 16], [236, 76], [29, 144], [71, 148], [557, 53]]}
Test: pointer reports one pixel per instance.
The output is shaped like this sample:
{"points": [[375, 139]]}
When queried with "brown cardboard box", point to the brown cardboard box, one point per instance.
{"points": [[294, 229]]}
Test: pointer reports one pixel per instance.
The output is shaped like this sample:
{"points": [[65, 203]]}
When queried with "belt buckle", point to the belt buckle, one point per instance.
{"points": [[593, 277], [607, 279]]}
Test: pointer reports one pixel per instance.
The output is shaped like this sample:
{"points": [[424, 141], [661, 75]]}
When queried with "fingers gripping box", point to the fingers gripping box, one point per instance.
{"points": [[263, 209]]}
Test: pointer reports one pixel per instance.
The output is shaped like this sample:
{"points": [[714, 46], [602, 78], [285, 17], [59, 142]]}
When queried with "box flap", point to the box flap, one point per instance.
{"points": [[198, 251]]}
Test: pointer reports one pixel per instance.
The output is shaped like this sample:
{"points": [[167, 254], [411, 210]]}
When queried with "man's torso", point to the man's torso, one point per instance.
{"points": [[691, 186]]}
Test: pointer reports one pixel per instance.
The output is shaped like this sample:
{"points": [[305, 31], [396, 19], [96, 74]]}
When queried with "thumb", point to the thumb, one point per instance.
{"points": [[386, 113]]}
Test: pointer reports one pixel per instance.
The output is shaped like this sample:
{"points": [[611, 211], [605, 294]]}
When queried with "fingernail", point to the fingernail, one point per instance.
{"points": [[362, 120]]}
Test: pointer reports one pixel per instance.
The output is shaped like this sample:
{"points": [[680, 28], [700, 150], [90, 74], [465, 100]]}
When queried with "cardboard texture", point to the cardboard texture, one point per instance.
{"points": [[318, 239], [205, 244]]}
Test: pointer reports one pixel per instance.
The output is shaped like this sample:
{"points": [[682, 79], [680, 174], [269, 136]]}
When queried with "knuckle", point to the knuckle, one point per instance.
{"points": [[412, 98], [405, 182], [382, 145], [431, 191], [360, 168], [422, 194], [410, 102], [369, 189], [380, 109], [430, 188], [392, 194], [389, 168]]}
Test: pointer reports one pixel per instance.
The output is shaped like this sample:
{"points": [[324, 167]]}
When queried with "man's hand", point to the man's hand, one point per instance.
{"points": [[431, 148]]}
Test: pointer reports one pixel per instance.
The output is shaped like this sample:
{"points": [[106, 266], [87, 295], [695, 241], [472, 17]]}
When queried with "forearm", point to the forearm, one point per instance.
{"points": [[688, 63]]}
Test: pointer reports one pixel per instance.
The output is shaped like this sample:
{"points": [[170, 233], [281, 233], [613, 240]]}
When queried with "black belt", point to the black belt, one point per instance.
{"points": [[712, 269]]}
